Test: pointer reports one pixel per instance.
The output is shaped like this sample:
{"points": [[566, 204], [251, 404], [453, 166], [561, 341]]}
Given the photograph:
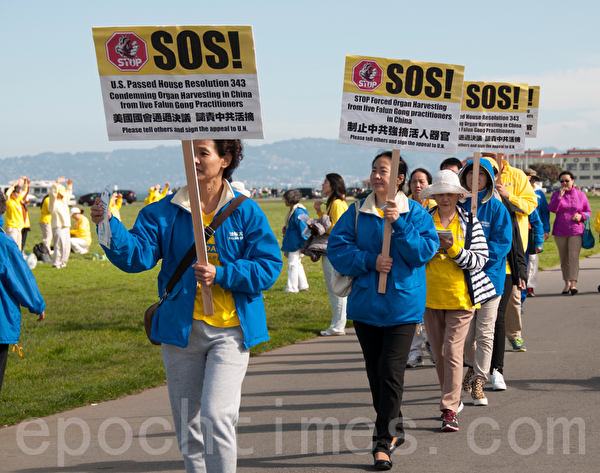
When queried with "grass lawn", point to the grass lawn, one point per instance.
{"points": [[92, 346]]}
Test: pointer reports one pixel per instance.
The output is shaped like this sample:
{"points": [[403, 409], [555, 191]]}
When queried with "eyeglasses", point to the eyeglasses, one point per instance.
{"points": [[566, 182]]}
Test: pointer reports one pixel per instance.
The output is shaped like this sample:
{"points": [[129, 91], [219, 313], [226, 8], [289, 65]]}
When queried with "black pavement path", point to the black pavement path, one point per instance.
{"points": [[307, 408]]}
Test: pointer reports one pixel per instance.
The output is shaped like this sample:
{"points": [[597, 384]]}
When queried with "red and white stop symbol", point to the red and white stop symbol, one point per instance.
{"points": [[367, 75], [127, 51]]}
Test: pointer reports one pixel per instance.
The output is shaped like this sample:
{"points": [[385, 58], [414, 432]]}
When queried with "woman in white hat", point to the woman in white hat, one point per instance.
{"points": [[81, 236], [456, 285]]}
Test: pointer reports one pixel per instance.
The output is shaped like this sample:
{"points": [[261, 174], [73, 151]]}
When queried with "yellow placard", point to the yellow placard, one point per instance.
{"points": [[403, 79], [533, 97], [500, 97], [174, 50]]}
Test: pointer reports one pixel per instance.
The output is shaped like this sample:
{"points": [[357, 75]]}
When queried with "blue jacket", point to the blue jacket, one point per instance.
{"points": [[496, 223], [17, 288], [537, 229], [413, 243], [247, 249], [543, 210], [293, 239]]}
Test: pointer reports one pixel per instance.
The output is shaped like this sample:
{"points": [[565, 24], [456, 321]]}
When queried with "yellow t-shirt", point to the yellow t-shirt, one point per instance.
{"points": [[82, 230], [14, 213], [115, 207], [223, 302], [337, 209], [45, 215], [446, 285]]}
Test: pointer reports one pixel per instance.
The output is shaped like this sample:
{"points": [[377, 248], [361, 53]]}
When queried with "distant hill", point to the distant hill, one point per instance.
{"points": [[284, 164]]}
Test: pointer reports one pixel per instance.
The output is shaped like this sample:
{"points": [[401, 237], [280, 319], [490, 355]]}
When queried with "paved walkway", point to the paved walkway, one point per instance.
{"points": [[307, 408]]}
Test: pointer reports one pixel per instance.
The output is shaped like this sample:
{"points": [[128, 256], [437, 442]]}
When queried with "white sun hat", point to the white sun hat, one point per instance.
{"points": [[444, 182], [240, 187]]}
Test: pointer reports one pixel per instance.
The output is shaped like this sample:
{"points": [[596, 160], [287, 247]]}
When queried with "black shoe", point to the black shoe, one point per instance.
{"points": [[395, 444], [383, 465], [574, 291]]}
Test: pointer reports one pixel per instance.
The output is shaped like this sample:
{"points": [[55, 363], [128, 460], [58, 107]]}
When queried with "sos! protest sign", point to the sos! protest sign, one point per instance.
{"points": [[401, 104], [493, 117], [179, 82], [533, 107]]}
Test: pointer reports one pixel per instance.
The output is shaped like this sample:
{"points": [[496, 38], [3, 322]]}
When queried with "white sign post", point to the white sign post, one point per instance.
{"points": [[180, 83], [400, 104]]}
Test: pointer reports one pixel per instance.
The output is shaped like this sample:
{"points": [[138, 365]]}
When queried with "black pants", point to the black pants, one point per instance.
{"points": [[24, 233], [3, 358], [500, 328], [385, 350]]}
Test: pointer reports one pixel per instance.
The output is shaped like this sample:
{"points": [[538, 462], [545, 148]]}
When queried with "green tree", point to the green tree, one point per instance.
{"points": [[548, 172]]}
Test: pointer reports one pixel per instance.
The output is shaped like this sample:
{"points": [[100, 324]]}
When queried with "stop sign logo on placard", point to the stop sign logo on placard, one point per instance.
{"points": [[127, 51], [367, 75]]}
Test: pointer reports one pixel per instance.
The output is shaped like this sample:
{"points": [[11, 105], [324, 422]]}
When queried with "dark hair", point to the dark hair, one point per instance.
{"points": [[569, 173], [402, 166], [293, 196], [233, 148], [424, 171], [338, 188], [451, 162], [2, 203]]}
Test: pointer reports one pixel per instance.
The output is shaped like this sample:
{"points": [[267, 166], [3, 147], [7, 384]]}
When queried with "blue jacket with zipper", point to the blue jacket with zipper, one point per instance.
{"points": [[247, 249], [414, 242], [17, 288], [496, 224], [293, 239]]}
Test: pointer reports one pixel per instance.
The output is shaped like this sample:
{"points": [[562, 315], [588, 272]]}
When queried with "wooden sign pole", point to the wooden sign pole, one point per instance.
{"points": [[475, 183], [194, 193], [387, 229]]}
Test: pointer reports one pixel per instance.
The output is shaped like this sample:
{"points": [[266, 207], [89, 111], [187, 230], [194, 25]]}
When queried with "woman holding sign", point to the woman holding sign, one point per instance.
{"points": [[385, 323], [205, 356]]}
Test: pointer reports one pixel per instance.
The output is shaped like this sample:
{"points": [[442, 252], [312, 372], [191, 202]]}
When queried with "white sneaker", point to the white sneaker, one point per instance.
{"points": [[498, 383], [414, 360], [327, 333]]}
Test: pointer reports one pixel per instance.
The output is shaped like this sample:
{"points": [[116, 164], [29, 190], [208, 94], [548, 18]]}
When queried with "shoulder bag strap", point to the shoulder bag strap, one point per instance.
{"points": [[209, 231]]}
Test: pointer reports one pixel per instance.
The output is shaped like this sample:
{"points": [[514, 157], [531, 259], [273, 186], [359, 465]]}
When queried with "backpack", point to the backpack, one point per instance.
{"points": [[41, 253]]}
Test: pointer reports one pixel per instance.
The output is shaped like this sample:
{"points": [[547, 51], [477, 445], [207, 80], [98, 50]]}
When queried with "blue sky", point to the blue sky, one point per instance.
{"points": [[49, 64]]}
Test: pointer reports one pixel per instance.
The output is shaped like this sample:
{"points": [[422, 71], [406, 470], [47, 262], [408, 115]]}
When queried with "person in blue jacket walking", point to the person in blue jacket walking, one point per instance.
{"points": [[544, 216], [205, 356], [496, 224], [385, 323], [293, 240], [17, 288]]}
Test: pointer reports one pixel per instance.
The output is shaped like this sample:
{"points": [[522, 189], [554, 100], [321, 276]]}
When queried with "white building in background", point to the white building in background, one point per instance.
{"points": [[583, 163]]}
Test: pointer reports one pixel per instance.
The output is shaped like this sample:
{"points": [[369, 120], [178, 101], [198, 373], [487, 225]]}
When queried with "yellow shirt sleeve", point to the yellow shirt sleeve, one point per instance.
{"points": [[337, 209]]}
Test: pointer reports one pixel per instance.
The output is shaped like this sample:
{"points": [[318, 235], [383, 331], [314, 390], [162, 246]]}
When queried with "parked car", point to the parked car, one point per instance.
{"points": [[128, 196], [362, 195], [88, 199], [352, 191], [309, 192]]}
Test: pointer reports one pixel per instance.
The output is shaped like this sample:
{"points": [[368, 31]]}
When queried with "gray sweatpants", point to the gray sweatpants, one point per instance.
{"points": [[205, 387]]}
